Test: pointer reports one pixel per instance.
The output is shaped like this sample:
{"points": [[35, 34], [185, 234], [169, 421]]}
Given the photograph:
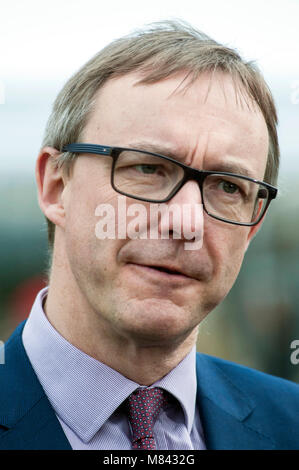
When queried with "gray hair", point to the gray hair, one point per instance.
{"points": [[157, 51]]}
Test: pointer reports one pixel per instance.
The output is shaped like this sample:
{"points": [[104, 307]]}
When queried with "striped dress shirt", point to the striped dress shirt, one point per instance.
{"points": [[87, 395]]}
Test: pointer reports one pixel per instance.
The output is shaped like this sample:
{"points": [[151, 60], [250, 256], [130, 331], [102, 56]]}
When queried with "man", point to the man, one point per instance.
{"points": [[106, 359]]}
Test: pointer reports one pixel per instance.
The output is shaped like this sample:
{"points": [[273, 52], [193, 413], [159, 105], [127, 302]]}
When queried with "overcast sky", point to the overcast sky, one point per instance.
{"points": [[42, 43]]}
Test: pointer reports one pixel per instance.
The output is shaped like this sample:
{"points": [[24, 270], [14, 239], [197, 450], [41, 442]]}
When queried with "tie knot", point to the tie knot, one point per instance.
{"points": [[144, 405]]}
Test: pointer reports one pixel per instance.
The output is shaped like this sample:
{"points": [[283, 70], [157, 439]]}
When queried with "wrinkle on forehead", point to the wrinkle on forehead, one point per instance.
{"points": [[206, 118]]}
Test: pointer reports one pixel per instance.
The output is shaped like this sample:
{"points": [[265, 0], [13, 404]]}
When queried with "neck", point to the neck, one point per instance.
{"points": [[143, 364], [143, 361]]}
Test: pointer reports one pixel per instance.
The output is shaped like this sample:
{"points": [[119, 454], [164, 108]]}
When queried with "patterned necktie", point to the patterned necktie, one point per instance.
{"points": [[144, 405]]}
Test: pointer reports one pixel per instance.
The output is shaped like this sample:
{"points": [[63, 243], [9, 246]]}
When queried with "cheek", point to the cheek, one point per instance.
{"points": [[79, 238], [89, 187], [80, 219], [90, 256], [227, 245]]}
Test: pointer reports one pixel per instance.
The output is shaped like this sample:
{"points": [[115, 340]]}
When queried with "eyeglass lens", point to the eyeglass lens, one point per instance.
{"points": [[153, 178]]}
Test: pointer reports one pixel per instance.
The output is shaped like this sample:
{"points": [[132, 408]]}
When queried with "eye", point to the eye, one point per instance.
{"points": [[228, 187], [146, 168]]}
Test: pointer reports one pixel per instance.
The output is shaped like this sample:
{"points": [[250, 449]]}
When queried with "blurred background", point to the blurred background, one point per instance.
{"points": [[42, 44]]}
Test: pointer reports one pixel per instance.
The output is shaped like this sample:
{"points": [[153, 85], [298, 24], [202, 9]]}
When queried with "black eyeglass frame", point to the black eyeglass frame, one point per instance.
{"points": [[189, 174]]}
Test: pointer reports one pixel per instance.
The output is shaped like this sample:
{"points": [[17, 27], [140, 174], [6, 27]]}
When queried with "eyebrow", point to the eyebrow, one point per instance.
{"points": [[236, 168], [167, 151]]}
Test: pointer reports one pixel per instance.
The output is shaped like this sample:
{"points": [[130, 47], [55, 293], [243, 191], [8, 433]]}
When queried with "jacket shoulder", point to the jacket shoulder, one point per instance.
{"points": [[27, 420], [272, 402], [20, 388], [249, 379]]}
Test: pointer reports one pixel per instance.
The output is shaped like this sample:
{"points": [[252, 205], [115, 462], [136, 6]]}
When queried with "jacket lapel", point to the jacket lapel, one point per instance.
{"points": [[226, 410], [27, 420]]}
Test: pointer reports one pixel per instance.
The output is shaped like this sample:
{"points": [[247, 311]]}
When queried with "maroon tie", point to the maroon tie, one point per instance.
{"points": [[144, 405]]}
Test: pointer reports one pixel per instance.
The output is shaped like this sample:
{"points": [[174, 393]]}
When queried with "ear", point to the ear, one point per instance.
{"points": [[50, 184]]}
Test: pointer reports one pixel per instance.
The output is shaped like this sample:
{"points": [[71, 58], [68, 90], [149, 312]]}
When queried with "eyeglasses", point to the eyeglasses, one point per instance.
{"points": [[151, 177]]}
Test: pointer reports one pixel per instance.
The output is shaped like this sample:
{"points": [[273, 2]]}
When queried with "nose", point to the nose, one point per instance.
{"points": [[188, 194], [184, 217]]}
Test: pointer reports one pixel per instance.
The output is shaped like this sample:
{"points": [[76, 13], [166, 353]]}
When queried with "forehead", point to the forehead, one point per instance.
{"points": [[209, 119]]}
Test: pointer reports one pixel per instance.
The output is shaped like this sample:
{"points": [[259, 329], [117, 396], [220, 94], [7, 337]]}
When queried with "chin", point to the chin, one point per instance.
{"points": [[156, 320], [157, 337]]}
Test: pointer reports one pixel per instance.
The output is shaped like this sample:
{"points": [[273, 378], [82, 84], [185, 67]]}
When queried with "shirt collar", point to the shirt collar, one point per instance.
{"points": [[85, 392]]}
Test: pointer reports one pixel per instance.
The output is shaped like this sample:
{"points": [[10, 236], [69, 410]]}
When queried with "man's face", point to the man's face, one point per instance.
{"points": [[213, 130]]}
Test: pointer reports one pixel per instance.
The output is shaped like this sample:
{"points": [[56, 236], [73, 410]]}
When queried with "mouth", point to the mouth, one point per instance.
{"points": [[166, 270], [161, 273]]}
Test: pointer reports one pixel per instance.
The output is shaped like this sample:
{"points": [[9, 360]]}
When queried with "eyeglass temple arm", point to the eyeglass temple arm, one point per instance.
{"points": [[87, 148]]}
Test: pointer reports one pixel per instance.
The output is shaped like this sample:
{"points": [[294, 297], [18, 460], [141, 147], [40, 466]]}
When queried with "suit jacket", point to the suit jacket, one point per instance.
{"points": [[240, 408]]}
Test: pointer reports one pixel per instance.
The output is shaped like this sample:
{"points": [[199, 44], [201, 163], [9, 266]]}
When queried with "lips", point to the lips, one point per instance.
{"points": [[166, 269]]}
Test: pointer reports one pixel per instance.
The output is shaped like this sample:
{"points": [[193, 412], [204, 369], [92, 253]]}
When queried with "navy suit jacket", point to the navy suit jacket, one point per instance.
{"points": [[240, 408]]}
